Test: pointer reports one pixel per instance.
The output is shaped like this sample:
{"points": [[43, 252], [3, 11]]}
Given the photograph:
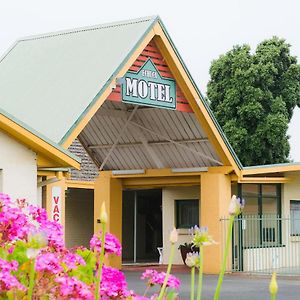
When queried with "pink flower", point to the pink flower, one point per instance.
{"points": [[7, 266], [72, 288], [155, 277], [54, 233], [48, 262], [112, 244], [8, 281], [113, 284], [73, 260], [14, 223], [37, 213]]}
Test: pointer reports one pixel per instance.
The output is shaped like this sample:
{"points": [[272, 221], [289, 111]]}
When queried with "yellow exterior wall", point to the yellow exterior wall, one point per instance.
{"points": [[215, 198], [169, 195], [109, 190]]}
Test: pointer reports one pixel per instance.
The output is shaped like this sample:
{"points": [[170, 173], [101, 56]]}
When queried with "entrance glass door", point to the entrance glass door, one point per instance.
{"points": [[142, 225]]}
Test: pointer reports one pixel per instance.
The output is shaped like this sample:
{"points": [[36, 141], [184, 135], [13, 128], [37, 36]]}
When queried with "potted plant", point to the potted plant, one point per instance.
{"points": [[187, 248]]}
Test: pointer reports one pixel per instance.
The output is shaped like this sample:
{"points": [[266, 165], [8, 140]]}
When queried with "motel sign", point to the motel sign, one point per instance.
{"points": [[147, 87]]}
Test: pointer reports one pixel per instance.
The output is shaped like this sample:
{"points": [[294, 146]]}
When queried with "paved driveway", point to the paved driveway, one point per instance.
{"points": [[235, 287]]}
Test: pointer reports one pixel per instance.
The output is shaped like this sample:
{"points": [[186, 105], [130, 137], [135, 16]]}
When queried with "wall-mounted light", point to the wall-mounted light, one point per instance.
{"points": [[190, 170], [128, 172]]}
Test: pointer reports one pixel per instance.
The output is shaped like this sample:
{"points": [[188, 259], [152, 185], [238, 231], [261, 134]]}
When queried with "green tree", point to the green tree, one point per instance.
{"points": [[253, 97]]}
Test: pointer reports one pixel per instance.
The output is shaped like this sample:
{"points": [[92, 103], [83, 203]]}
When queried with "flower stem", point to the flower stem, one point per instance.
{"points": [[223, 267], [101, 259], [200, 276], [273, 296], [31, 280], [146, 291], [162, 291], [192, 283]]}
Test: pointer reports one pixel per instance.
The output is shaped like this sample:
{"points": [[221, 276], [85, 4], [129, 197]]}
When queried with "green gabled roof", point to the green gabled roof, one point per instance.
{"points": [[49, 81], [273, 165]]}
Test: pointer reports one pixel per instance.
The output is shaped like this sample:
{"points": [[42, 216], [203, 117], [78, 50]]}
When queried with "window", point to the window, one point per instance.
{"points": [[261, 215], [295, 217], [262, 199], [187, 213]]}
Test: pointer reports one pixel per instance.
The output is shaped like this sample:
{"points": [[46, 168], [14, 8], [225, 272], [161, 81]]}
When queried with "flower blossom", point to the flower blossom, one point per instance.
{"points": [[37, 213], [113, 284], [54, 233], [158, 278], [8, 281], [72, 288], [236, 205], [201, 237], [14, 223], [48, 262], [8, 266], [73, 260], [112, 244], [173, 236], [192, 259]]}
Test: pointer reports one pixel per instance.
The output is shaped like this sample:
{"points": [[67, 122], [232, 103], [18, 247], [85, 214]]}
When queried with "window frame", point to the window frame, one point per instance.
{"points": [[291, 218]]}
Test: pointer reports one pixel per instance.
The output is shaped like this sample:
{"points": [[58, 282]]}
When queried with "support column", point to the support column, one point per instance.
{"points": [[109, 190], [215, 199]]}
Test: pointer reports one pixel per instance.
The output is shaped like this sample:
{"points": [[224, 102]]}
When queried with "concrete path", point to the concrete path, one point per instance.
{"points": [[235, 287]]}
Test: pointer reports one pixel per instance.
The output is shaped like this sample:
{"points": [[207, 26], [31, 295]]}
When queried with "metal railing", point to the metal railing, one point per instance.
{"points": [[263, 244]]}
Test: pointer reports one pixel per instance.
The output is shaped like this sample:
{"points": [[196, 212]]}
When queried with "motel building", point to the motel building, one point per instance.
{"points": [[110, 114]]}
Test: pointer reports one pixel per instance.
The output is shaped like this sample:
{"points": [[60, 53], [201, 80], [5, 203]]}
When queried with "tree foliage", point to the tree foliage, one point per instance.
{"points": [[253, 96]]}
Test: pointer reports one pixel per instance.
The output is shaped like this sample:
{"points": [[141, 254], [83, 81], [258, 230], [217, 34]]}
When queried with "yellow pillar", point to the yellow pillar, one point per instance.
{"points": [[55, 200], [215, 198], [109, 190]]}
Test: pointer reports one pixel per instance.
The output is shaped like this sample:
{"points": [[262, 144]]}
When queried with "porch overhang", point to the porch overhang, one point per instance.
{"points": [[131, 137]]}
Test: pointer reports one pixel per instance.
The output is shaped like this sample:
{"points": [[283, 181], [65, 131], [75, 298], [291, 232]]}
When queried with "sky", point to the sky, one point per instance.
{"points": [[201, 30]]}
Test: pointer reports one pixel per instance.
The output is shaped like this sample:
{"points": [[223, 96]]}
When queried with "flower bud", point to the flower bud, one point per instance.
{"points": [[233, 206], [192, 259], [32, 253], [174, 236], [236, 206], [37, 239], [273, 287], [103, 214]]}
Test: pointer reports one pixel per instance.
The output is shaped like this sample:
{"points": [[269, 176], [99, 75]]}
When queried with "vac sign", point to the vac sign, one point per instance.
{"points": [[147, 87], [56, 204]]}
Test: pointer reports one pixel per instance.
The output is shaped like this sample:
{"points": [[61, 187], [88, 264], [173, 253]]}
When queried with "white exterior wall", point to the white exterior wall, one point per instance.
{"points": [[169, 195], [18, 175]]}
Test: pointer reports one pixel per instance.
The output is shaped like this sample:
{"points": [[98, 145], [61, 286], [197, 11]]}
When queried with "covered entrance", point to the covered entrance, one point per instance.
{"points": [[142, 225], [149, 128]]}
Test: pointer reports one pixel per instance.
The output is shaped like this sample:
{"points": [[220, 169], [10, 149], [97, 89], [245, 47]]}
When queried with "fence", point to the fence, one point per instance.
{"points": [[263, 244]]}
